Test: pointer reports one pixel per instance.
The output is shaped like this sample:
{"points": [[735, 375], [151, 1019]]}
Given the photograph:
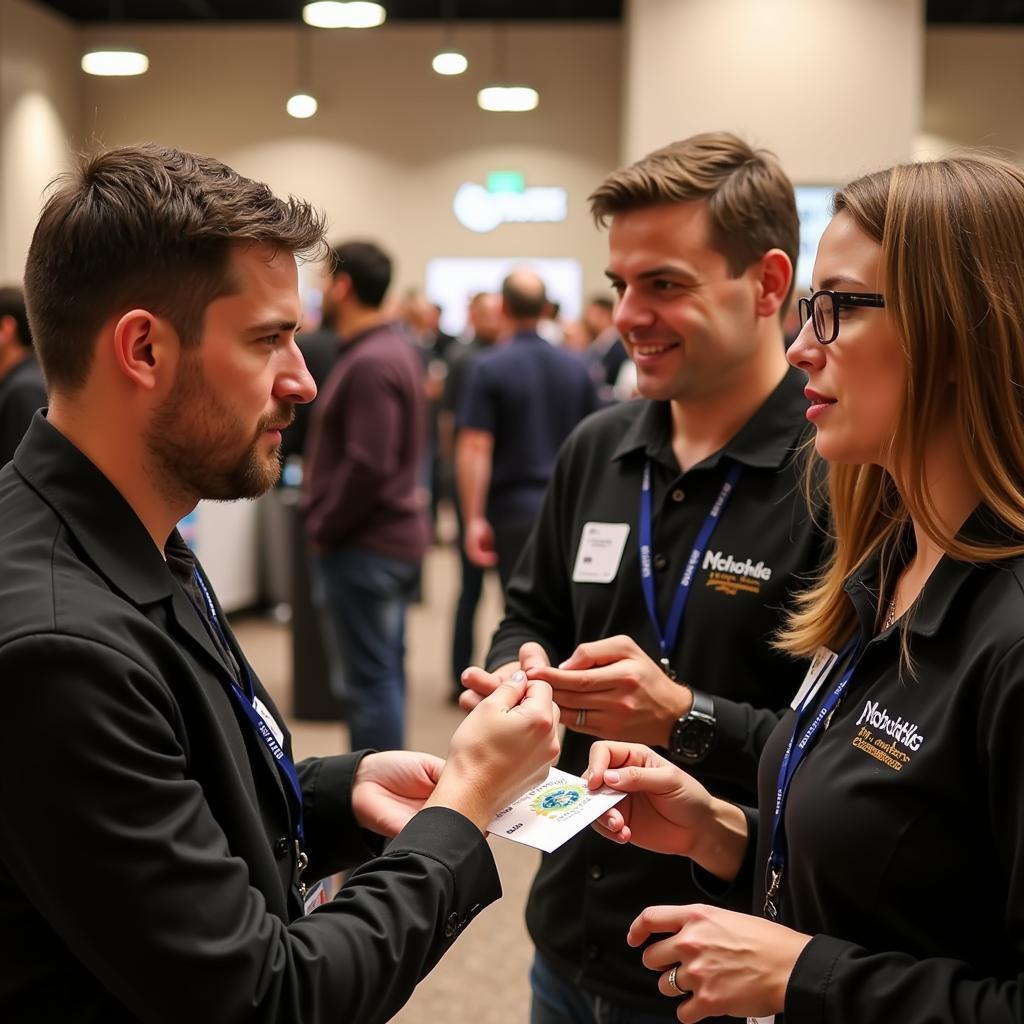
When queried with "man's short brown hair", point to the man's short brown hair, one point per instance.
{"points": [[149, 227], [750, 200]]}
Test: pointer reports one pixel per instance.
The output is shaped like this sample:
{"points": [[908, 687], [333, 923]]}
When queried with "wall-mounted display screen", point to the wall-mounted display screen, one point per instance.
{"points": [[452, 282]]}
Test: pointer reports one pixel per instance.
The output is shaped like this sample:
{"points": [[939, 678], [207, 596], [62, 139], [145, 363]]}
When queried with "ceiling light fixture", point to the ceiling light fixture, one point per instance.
{"points": [[301, 105], [119, 63], [336, 14], [507, 98], [503, 95], [449, 62]]}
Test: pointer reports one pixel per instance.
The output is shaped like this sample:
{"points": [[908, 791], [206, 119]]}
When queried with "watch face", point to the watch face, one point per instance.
{"points": [[695, 738]]}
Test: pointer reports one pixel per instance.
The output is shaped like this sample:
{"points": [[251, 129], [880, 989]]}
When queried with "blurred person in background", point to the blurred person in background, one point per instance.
{"points": [[365, 519], [521, 402], [605, 353], [487, 325], [22, 388]]}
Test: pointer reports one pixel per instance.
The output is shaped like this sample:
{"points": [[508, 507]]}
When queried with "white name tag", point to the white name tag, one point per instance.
{"points": [[761, 1020], [821, 665], [268, 718], [600, 552]]}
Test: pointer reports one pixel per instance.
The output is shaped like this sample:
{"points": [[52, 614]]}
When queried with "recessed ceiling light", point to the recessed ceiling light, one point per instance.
{"points": [[115, 62], [336, 14], [450, 62], [507, 98], [301, 105]]}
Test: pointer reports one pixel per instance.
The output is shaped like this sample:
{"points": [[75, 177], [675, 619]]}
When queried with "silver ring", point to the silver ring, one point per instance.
{"points": [[581, 718], [672, 980]]}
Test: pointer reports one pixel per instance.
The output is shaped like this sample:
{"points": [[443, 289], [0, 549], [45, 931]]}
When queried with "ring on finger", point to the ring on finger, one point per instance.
{"points": [[676, 990], [581, 717]]}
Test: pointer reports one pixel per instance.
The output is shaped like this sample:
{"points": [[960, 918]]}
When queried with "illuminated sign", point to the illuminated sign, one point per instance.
{"points": [[507, 200]]}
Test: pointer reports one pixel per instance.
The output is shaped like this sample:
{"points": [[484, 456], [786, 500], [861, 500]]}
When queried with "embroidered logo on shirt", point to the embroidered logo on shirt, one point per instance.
{"points": [[729, 575], [875, 724]]}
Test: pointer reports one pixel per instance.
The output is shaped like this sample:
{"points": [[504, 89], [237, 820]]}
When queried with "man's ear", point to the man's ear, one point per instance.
{"points": [[340, 287], [145, 348], [774, 276]]}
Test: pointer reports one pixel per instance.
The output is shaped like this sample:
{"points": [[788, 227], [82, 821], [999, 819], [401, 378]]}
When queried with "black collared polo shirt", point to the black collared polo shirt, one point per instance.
{"points": [[587, 893], [905, 822]]}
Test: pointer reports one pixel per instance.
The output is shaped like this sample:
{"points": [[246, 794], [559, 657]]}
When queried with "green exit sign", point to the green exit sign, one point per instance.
{"points": [[506, 181]]}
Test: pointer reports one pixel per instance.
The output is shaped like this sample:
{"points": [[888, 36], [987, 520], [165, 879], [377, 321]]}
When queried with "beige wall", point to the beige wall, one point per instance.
{"points": [[40, 119], [974, 83], [392, 141], [832, 86]]}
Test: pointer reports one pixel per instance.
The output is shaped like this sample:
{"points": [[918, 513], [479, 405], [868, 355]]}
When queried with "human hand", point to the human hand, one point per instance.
{"points": [[504, 746], [479, 683], [479, 543], [390, 787], [611, 688], [732, 964], [666, 810]]}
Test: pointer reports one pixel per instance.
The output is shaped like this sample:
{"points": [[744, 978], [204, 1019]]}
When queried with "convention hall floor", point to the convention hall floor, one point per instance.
{"points": [[483, 978]]}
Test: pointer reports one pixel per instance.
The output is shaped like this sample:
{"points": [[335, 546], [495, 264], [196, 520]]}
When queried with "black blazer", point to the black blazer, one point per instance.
{"points": [[146, 857]]}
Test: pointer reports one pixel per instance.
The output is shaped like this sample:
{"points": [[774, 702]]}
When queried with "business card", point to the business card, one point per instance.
{"points": [[552, 812]]}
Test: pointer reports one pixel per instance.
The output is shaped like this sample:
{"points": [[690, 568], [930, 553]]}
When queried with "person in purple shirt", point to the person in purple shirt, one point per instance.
{"points": [[365, 517]]}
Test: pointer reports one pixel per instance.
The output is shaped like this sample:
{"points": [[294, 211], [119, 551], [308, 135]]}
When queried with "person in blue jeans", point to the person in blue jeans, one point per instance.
{"points": [[365, 517]]}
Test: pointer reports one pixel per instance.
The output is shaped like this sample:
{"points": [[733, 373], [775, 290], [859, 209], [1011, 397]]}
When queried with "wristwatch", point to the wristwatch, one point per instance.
{"points": [[694, 734]]}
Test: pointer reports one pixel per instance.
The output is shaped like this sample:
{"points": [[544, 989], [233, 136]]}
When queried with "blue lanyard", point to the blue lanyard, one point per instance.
{"points": [[667, 637], [247, 703], [800, 742]]}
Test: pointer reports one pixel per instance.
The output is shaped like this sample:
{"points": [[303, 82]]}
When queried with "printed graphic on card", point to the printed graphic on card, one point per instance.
{"points": [[547, 815]]}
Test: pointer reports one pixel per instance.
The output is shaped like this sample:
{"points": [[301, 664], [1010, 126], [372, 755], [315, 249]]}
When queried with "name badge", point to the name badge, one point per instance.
{"points": [[600, 552], [821, 665], [264, 712], [761, 1020], [316, 897]]}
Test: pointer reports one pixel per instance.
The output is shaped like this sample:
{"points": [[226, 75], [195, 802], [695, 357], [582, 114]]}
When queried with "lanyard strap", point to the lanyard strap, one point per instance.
{"points": [[667, 637], [247, 703], [800, 742]]}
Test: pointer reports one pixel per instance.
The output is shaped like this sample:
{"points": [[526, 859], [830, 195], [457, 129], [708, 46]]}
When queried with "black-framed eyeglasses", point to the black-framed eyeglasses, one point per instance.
{"points": [[822, 309]]}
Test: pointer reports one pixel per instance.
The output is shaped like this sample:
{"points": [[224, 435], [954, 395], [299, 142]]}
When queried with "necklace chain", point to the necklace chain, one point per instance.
{"points": [[890, 614]]}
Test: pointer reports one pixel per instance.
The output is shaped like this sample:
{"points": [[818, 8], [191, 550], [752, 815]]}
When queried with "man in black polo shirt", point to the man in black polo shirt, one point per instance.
{"points": [[521, 403], [677, 521]]}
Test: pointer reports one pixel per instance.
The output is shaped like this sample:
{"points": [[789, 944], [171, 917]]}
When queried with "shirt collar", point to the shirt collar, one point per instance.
{"points": [[941, 589], [102, 522], [765, 441]]}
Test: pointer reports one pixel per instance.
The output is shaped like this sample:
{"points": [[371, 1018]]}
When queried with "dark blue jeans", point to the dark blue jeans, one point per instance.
{"points": [[557, 1001], [361, 598]]}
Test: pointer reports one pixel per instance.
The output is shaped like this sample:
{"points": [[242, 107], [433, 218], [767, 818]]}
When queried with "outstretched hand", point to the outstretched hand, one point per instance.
{"points": [[390, 787]]}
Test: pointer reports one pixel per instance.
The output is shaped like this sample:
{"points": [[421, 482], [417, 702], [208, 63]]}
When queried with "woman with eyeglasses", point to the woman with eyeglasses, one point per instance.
{"points": [[887, 860]]}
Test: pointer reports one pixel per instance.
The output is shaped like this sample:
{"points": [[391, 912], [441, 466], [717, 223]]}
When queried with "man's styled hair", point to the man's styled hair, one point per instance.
{"points": [[369, 269], [523, 295], [149, 227], [750, 200], [12, 304]]}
